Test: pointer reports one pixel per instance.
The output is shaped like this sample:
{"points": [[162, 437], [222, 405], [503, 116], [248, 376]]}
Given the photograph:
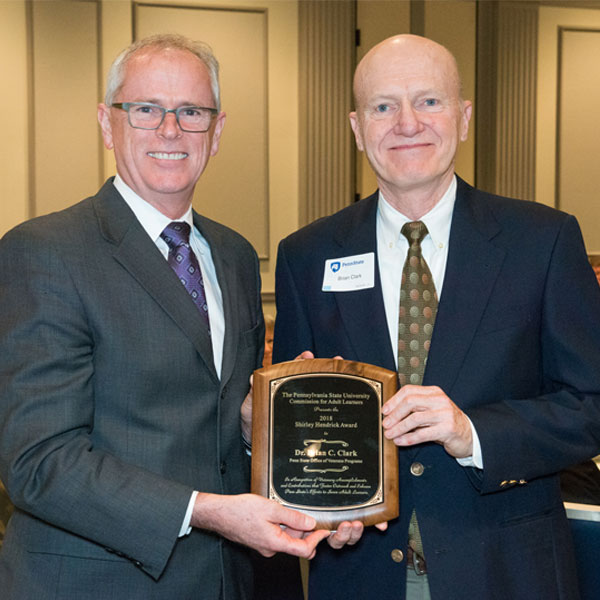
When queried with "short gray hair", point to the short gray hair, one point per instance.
{"points": [[116, 74]]}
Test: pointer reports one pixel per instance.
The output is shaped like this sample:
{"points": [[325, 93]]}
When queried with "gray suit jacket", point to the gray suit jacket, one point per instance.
{"points": [[111, 412]]}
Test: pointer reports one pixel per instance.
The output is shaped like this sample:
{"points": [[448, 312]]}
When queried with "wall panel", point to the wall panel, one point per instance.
{"points": [[327, 49], [579, 130], [66, 151], [567, 124]]}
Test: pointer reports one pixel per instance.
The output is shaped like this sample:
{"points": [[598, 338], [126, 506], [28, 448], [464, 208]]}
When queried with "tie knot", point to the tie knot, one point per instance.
{"points": [[176, 234], [414, 231]]}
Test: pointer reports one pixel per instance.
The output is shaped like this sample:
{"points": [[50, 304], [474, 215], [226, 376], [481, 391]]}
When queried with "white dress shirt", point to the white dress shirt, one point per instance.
{"points": [[392, 248], [154, 222]]}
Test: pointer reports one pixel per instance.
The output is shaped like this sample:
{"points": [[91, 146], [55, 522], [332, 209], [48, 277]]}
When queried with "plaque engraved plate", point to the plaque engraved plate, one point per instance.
{"points": [[318, 443]]}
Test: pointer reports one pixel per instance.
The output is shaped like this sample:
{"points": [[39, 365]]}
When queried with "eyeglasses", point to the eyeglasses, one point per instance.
{"points": [[145, 115]]}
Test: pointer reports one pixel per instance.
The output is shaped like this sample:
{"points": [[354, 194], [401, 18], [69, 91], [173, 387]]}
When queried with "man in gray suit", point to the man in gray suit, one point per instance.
{"points": [[121, 440]]}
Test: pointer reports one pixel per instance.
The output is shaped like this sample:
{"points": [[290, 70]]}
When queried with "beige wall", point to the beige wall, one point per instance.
{"points": [[14, 104], [65, 146], [49, 112]]}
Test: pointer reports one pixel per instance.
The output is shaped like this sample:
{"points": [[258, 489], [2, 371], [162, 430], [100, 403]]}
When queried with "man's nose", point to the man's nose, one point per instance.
{"points": [[407, 121], [169, 128]]}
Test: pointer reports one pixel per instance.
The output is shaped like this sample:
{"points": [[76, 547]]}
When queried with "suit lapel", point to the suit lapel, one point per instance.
{"points": [[136, 252], [472, 268], [363, 311]]}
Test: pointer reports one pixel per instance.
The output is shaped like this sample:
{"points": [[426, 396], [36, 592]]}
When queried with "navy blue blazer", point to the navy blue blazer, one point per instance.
{"points": [[516, 345]]}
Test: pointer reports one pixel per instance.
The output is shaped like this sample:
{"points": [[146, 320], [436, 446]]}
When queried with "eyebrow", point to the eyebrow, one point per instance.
{"points": [[159, 102]]}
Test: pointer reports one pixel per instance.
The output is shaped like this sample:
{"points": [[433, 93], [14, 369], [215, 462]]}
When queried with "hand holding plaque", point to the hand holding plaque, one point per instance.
{"points": [[317, 440]]}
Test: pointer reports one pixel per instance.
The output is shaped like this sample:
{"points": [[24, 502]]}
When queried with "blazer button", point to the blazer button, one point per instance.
{"points": [[417, 469], [223, 468], [397, 555]]}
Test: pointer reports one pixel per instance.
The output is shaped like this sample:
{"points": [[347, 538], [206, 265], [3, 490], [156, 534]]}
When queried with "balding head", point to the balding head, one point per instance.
{"points": [[407, 49]]}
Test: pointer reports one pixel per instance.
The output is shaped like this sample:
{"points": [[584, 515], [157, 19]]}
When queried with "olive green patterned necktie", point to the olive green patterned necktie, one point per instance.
{"points": [[418, 309]]}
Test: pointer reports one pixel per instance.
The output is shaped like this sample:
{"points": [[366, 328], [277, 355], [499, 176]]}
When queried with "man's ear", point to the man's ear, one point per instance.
{"points": [[467, 111], [356, 129], [105, 125], [216, 136]]}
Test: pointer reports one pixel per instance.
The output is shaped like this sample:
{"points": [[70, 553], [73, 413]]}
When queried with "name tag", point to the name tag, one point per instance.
{"points": [[349, 273]]}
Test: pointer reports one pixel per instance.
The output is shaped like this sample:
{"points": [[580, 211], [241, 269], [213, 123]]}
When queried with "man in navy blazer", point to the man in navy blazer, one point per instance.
{"points": [[511, 389], [120, 431]]}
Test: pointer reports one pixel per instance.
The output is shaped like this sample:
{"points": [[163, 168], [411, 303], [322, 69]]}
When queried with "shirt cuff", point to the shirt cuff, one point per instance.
{"points": [[476, 459], [247, 446], [185, 526]]}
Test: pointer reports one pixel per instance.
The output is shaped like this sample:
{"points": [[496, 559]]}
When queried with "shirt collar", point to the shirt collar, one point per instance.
{"points": [[437, 220], [151, 219]]}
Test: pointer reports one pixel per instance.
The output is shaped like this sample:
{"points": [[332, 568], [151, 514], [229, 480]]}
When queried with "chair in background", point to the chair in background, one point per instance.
{"points": [[585, 525], [6, 509]]}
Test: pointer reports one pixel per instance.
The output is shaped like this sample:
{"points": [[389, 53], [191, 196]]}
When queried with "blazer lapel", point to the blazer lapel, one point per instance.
{"points": [[363, 311], [136, 252], [473, 266]]}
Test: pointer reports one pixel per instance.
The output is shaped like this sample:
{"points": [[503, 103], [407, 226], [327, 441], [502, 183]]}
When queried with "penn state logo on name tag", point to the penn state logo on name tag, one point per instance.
{"points": [[349, 273]]}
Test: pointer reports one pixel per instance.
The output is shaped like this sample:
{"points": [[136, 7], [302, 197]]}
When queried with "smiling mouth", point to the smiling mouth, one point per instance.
{"points": [[168, 155], [413, 146]]}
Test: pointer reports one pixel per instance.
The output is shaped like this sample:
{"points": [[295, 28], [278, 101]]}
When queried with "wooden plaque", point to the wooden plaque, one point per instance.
{"points": [[318, 443]]}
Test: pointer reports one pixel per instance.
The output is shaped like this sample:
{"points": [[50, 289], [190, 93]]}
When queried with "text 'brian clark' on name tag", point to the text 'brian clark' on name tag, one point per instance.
{"points": [[349, 273]]}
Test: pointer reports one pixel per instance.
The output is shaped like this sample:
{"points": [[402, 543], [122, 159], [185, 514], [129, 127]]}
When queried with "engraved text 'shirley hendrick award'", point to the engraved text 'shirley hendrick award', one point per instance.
{"points": [[318, 443]]}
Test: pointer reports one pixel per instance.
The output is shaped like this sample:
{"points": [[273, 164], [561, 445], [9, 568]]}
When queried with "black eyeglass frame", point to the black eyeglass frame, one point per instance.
{"points": [[126, 106]]}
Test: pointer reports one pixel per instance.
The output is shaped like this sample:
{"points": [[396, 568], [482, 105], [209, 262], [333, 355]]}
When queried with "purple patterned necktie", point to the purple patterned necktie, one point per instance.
{"points": [[185, 264]]}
